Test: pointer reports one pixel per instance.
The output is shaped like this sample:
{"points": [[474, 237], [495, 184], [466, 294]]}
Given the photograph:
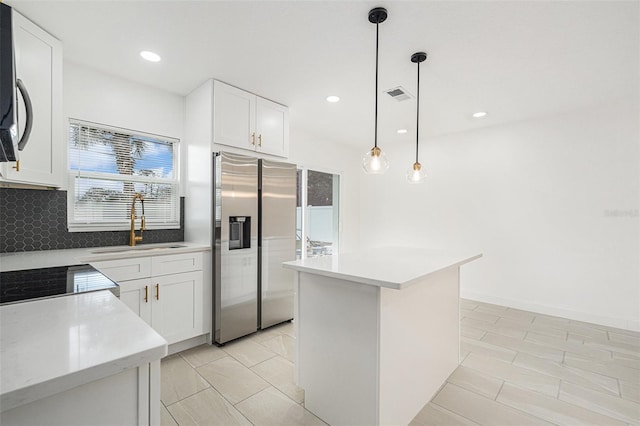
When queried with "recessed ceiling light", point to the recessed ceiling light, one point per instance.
{"points": [[402, 131], [333, 99], [479, 114], [150, 56]]}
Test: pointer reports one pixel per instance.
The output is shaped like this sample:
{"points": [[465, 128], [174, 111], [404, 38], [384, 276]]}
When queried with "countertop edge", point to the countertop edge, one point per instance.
{"points": [[453, 265], [343, 276], [37, 391], [395, 285], [155, 348], [99, 257], [16, 261]]}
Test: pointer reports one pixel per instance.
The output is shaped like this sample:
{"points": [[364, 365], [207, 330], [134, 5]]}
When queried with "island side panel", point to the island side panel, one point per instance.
{"points": [[338, 349], [419, 343], [154, 393], [113, 400]]}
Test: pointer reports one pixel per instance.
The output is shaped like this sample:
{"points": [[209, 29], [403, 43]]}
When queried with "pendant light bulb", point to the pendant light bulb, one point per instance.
{"points": [[375, 161], [416, 173]]}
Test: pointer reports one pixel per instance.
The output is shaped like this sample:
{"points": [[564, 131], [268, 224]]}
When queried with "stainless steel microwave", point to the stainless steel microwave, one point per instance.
{"points": [[10, 142]]}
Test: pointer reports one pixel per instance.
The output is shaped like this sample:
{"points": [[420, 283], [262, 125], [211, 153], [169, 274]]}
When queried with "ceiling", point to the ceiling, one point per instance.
{"points": [[516, 60]]}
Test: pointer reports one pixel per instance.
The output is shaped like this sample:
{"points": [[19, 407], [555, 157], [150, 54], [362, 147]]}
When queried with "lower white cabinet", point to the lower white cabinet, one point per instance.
{"points": [[171, 303], [131, 397]]}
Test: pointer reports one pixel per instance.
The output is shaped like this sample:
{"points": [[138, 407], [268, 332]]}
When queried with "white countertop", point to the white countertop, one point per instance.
{"points": [[52, 345], [391, 267], [52, 258]]}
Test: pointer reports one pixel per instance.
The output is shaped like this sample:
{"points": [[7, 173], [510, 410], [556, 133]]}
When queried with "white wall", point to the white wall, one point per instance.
{"points": [[94, 96], [552, 203]]}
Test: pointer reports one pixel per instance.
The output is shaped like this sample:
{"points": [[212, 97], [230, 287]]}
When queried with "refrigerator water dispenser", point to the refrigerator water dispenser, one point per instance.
{"points": [[239, 232]]}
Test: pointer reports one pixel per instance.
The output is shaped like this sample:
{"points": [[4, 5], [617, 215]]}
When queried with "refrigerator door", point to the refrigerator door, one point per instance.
{"points": [[278, 241], [236, 265]]}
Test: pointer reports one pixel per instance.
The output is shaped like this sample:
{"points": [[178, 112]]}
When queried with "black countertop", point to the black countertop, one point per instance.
{"points": [[20, 286]]}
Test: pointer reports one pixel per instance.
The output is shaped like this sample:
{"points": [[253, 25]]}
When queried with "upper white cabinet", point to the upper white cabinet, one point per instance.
{"points": [[272, 128], [244, 120], [39, 66], [234, 116]]}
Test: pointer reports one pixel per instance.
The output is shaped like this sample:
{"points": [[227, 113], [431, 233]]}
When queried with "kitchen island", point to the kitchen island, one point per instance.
{"points": [[80, 359], [377, 332]]}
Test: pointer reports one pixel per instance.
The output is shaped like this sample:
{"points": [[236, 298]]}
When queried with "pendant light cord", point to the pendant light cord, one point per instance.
{"points": [[375, 139], [418, 112]]}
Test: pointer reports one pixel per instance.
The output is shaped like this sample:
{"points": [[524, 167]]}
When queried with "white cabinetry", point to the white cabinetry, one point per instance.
{"points": [[165, 291], [131, 397], [244, 120], [39, 66]]}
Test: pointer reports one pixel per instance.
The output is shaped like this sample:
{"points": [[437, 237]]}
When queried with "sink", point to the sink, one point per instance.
{"points": [[143, 248]]}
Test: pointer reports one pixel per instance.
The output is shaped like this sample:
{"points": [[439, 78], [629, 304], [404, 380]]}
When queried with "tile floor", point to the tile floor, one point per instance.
{"points": [[517, 368]]}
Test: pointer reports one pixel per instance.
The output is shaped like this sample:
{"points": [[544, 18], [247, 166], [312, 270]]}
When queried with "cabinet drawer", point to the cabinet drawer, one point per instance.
{"points": [[125, 269], [176, 263]]}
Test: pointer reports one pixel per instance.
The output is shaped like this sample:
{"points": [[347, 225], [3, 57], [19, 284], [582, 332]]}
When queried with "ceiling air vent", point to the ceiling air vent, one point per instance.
{"points": [[399, 93]]}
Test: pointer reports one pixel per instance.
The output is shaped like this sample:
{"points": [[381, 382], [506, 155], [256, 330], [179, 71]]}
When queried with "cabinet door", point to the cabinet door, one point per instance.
{"points": [[176, 312], [39, 66], [234, 116], [137, 295], [272, 127]]}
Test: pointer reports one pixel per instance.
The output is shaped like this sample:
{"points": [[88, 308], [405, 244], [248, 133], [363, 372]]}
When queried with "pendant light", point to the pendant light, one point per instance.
{"points": [[375, 161], [416, 172]]}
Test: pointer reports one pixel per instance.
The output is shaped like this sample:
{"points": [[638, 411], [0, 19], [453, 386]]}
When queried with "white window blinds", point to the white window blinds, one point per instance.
{"points": [[108, 165]]}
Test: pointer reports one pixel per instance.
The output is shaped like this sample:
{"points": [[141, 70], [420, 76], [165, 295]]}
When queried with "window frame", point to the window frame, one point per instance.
{"points": [[303, 201], [85, 226]]}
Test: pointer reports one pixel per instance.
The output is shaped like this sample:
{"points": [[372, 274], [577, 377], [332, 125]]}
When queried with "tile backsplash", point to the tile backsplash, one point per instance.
{"points": [[32, 219]]}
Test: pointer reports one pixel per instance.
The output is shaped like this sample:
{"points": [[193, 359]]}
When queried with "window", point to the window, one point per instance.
{"points": [[108, 165], [318, 222]]}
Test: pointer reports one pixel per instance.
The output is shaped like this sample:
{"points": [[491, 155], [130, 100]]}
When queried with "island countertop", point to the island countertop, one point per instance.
{"points": [[52, 345], [390, 267]]}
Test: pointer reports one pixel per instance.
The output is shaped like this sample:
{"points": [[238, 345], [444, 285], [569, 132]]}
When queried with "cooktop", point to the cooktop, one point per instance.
{"points": [[19, 286]]}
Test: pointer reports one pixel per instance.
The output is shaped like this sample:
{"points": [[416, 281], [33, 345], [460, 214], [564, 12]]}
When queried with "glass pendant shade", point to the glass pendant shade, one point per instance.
{"points": [[375, 161], [416, 173]]}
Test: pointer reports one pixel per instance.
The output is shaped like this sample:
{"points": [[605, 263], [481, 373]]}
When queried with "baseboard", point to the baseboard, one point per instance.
{"points": [[188, 344], [626, 324]]}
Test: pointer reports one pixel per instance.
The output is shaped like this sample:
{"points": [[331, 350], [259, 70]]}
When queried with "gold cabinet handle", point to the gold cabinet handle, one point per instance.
{"points": [[157, 291], [253, 138], [17, 166], [260, 140], [146, 294]]}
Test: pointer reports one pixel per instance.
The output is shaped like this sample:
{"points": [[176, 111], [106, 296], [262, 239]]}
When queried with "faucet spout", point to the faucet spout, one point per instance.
{"points": [[133, 238]]}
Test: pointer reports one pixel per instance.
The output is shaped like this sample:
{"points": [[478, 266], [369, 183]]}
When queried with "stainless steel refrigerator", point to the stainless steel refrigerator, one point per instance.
{"points": [[255, 223]]}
